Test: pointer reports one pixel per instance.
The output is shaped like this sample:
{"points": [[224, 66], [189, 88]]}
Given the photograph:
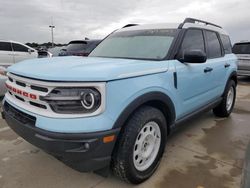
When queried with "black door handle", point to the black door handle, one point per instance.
{"points": [[227, 65], [208, 69]]}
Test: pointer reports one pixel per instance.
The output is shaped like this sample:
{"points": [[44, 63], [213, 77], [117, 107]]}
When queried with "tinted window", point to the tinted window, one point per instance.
{"points": [[82, 46], [226, 44], [193, 40], [77, 46], [213, 45], [5, 46], [91, 46], [150, 44], [243, 48], [19, 48]]}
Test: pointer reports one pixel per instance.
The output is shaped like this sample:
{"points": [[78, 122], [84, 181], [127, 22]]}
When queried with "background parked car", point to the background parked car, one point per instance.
{"points": [[12, 52], [3, 78], [79, 47], [242, 50], [55, 51], [44, 54]]}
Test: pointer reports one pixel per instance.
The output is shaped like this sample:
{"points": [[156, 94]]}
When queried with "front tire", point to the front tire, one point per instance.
{"points": [[140, 146], [226, 106]]}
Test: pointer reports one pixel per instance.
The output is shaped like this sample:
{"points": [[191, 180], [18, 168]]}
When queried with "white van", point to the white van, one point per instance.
{"points": [[12, 52]]}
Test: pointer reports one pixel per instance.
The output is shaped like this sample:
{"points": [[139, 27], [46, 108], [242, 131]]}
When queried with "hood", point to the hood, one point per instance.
{"points": [[73, 68]]}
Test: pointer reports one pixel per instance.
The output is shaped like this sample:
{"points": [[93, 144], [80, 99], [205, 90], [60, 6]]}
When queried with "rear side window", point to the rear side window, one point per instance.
{"points": [[243, 48], [19, 48], [213, 45], [193, 40], [226, 44], [5, 46]]}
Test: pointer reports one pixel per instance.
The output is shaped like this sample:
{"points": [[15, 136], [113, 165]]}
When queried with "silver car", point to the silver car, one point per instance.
{"points": [[242, 50], [3, 78]]}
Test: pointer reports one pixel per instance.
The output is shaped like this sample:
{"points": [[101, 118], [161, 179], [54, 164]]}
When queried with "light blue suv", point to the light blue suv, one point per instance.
{"points": [[116, 108]]}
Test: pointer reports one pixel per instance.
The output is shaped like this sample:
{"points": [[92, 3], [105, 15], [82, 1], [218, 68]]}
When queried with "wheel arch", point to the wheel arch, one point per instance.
{"points": [[157, 99], [233, 76]]}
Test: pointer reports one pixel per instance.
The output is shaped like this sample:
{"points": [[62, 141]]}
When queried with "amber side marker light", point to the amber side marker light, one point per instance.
{"points": [[108, 139]]}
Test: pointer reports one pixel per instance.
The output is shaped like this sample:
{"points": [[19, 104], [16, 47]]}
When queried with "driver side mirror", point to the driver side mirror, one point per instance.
{"points": [[194, 56]]}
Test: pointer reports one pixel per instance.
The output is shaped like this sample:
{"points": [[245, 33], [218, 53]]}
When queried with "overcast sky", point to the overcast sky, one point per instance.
{"points": [[29, 20]]}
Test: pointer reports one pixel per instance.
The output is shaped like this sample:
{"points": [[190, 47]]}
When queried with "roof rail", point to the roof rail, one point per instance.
{"points": [[129, 25], [193, 20]]}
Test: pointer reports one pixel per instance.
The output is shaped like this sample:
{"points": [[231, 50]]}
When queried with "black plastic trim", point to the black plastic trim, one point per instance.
{"points": [[193, 20], [175, 80], [233, 75], [193, 114], [144, 99], [130, 25], [82, 151]]}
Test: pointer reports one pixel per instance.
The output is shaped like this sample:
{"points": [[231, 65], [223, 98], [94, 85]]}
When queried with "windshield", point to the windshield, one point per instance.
{"points": [[76, 46], [243, 48], [150, 44]]}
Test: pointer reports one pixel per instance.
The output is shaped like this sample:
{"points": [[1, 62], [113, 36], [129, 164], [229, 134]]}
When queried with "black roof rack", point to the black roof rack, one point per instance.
{"points": [[193, 20], [129, 25]]}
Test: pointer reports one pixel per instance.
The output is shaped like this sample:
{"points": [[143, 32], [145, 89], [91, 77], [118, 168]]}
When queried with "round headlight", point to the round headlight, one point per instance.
{"points": [[88, 100], [73, 100]]}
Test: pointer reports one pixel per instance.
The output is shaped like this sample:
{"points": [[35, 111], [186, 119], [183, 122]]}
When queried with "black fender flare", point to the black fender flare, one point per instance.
{"points": [[232, 76], [156, 99]]}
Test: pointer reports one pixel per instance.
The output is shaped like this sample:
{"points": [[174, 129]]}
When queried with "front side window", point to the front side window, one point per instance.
{"points": [[151, 44], [213, 45], [193, 40], [5, 46], [19, 48]]}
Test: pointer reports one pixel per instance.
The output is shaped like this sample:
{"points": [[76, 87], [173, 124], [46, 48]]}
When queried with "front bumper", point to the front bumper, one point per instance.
{"points": [[82, 151]]}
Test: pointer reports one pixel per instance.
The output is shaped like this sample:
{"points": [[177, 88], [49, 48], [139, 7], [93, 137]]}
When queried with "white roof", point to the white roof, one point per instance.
{"points": [[152, 26], [173, 26]]}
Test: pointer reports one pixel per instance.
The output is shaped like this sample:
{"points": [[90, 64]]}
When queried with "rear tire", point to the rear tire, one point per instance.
{"points": [[140, 146], [226, 106]]}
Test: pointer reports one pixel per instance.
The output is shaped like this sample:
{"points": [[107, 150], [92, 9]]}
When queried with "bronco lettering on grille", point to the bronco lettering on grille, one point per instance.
{"points": [[20, 92]]}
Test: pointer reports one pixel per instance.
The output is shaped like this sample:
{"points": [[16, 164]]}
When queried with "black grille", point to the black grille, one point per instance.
{"points": [[39, 88], [19, 98], [18, 115], [10, 79], [20, 83], [38, 105]]}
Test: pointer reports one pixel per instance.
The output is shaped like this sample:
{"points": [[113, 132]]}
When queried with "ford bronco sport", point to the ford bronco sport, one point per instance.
{"points": [[116, 108]]}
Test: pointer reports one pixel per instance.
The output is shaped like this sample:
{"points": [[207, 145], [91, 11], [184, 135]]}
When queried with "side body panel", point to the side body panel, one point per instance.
{"points": [[244, 64], [193, 86], [23, 55]]}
